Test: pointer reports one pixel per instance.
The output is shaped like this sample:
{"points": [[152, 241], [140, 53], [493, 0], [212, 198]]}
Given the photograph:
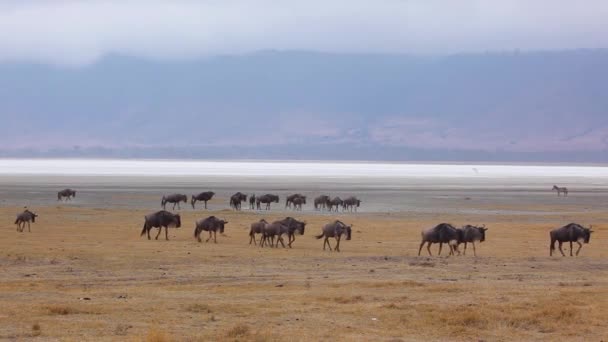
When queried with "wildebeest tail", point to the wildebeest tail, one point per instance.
{"points": [[144, 229], [319, 236], [16, 221]]}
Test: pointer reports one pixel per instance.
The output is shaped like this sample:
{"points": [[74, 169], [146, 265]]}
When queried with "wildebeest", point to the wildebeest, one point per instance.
{"points": [[441, 233], [25, 217], [256, 228], [173, 198], [159, 220], [350, 203], [211, 224], [288, 226], [335, 202], [289, 199], [237, 199], [560, 190], [252, 202], [67, 193], [297, 202], [266, 199], [203, 197], [471, 234], [569, 233], [335, 229], [321, 202]]}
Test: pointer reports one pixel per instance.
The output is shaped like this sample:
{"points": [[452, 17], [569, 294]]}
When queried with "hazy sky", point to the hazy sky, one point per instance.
{"points": [[80, 32]]}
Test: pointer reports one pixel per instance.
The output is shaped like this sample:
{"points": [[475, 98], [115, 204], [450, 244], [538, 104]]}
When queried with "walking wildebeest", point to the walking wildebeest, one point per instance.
{"points": [[322, 202], [336, 202], [25, 217], [288, 226], [67, 193], [297, 202], [266, 199], [335, 229], [159, 220], [441, 233], [569, 233], [256, 228], [350, 203], [472, 234], [252, 202], [175, 199], [560, 190], [211, 224], [236, 199], [289, 199], [203, 197]]}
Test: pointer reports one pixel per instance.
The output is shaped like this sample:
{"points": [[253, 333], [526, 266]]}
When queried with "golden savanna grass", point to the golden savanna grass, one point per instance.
{"points": [[86, 274]]}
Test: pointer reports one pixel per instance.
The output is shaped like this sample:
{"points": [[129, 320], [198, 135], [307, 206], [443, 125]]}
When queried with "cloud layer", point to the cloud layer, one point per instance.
{"points": [[79, 32]]}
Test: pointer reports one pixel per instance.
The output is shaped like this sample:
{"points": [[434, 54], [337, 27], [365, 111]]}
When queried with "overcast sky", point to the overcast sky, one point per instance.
{"points": [[80, 32]]}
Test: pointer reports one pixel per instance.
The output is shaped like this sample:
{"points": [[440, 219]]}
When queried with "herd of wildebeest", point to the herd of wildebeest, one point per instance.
{"points": [[271, 233]]}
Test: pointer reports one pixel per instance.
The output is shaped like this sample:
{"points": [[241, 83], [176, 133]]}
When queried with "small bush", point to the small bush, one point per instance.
{"points": [[62, 310], [240, 330], [36, 329], [348, 300]]}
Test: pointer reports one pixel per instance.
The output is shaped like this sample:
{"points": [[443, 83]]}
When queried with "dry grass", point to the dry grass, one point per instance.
{"points": [[185, 291]]}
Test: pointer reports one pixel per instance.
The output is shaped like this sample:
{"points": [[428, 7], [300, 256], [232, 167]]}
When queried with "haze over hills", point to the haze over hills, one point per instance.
{"points": [[511, 106]]}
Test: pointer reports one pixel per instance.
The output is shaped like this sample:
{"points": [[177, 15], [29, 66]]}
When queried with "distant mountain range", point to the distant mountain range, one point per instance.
{"points": [[516, 106]]}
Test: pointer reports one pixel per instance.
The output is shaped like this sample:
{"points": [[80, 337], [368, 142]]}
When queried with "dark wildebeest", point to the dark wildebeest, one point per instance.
{"points": [[203, 197], [173, 198], [288, 226], [67, 193], [560, 190], [350, 203], [322, 202], [211, 224], [25, 217], [335, 229], [472, 234], [266, 199], [569, 233], [237, 199], [441, 233], [256, 228], [290, 198], [252, 202], [297, 202], [336, 202], [159, 220]]}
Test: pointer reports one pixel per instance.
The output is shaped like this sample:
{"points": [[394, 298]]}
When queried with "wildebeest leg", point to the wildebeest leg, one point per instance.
{"points": [[440, 246], [570, 248], [280, 239], [29, 230], [166, 233], [148, 231], [338, 243], [560, 248], [474, 251], [214, 236], [209, 238], [327, 242], [291, 239], [160, 229], [580, 245], [205, 204], [420, 249]]}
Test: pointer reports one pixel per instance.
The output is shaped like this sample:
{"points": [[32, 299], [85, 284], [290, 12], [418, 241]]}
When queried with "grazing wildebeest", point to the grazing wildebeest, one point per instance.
{"points": [[336, 202], [173, 198], [159, 220], [67, 193], [560, 190], [211, 224], [322, 202], [237, 199], [288, 226], [256, 228], [350, 203], [472, 234], [203, 197], [252, 202], [335, 229], [441, 233], [297, 202], [25, 217], [266, 199], [289, 199], [569, 233]]}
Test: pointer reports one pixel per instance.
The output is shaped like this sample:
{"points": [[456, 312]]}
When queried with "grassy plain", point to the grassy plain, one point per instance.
{"points": [[86, 274]]}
